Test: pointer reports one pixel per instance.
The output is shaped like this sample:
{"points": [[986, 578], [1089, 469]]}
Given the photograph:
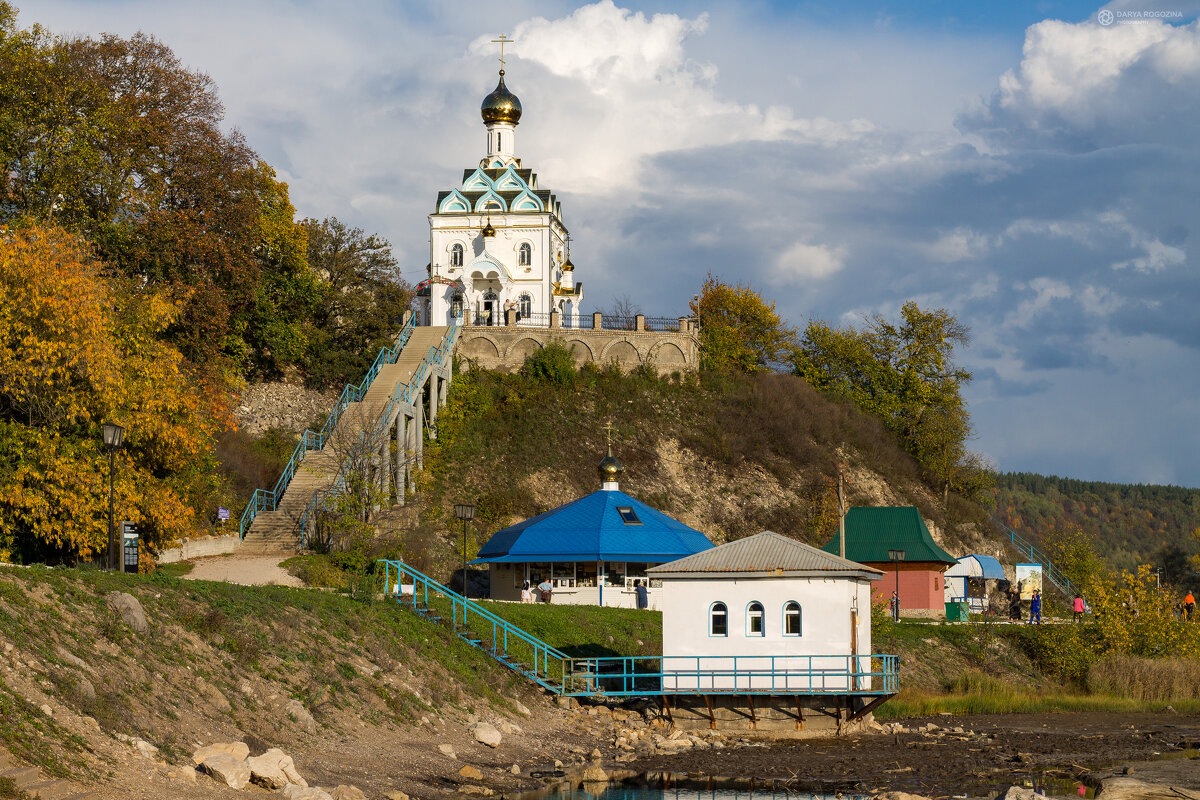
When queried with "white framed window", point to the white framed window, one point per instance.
{"points": [[791, 619], [525, 255], [525, 306], [456, 255], [718, 620], [754, 619]]}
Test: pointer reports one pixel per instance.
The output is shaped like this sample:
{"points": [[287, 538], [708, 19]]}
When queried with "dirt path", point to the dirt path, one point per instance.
{"points": [[246, 570]]}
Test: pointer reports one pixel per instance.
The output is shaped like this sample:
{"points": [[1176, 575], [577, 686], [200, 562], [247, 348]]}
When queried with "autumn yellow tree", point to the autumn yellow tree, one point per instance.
{"points": [[77, 350], [739, 330]]}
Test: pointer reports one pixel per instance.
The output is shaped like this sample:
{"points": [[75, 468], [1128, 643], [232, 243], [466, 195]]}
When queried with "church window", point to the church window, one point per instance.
{"points": [[791, 618], [456, 255], [718, 620], [498, 145], [754, 619], [628, 515], [524, 255], [525, 306]]}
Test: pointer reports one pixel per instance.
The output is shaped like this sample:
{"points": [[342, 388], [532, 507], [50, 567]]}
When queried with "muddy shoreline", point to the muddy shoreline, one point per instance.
{"points": [[962, 755]]}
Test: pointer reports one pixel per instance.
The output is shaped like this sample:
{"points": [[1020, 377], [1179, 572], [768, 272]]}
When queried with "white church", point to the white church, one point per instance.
{"points": [[497, 242]]}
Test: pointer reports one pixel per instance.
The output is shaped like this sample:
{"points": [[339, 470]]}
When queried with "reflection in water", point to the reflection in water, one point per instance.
{"points": [[620, 792]]}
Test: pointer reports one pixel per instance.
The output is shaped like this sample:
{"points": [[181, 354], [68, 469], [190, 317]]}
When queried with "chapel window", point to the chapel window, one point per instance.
{"points": [[791, 618], [456, 255], [524, 255], [754, 619], [525, 307], [718, 620]]}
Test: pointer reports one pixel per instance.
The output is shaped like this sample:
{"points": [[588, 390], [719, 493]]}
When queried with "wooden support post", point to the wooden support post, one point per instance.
{"points": [[666, 702], [753, 715], [837, 711], [799, 714], [712, 718]]}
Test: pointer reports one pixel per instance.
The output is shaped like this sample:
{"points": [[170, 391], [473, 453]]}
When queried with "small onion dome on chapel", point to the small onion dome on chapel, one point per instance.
{"points": [[567, 266], [488, 230], [610, 468], [501, 105]]}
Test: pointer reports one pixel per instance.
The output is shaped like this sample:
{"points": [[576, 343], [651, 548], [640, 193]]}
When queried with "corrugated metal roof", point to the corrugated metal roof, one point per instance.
{"points": [[765, 553], [871, 532], [591, 529]]}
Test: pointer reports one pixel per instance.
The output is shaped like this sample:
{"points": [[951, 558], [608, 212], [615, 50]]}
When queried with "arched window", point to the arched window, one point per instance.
{"points": [[456, 255], [754, 619], [791, 618], [718, 620], [524, 255], [525, 306]]}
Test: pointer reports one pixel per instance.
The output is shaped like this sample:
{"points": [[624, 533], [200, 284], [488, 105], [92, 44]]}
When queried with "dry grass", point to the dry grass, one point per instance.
{"points": [[1147, 679]]}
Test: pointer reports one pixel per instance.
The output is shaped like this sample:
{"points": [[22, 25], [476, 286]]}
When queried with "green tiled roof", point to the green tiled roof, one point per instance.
{"points": [[872, 531]]}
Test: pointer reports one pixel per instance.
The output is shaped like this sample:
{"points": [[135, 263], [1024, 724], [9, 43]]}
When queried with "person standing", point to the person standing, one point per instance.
{"points": [[1035, 608], [544, 589], [526, 593], [643, 594], [895, 603], [1189, 606], [1079, 606], [1014, 605]]}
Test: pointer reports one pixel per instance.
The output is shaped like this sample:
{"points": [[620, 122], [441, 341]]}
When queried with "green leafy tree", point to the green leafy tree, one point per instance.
{"points": [[362, 300], [904, 373], [739, 330]]}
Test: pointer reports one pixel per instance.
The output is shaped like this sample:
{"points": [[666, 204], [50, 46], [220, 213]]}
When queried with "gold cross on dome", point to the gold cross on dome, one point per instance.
{"points": [[608, 429], [503, 40]]}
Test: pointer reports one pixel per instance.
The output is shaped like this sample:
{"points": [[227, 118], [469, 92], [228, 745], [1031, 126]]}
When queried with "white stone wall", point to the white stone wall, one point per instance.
{"points": [[825, 604]]}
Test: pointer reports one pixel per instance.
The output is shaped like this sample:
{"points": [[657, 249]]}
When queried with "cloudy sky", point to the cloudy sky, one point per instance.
{"points": [[1032, 166]]}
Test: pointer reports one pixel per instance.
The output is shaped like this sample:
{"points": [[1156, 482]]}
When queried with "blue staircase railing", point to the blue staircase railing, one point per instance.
{"points": [[263, 500], [1027, 548], [636, 676], [403, 394]]}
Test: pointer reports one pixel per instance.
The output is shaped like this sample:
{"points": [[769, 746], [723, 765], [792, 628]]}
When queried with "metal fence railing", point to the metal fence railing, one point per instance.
{"points": [[663, 324], [263, 500], [1027, 549], [625, 676]]}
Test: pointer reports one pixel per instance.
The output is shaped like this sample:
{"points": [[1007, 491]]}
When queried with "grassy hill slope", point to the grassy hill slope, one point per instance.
{"points": [[728, 455]]}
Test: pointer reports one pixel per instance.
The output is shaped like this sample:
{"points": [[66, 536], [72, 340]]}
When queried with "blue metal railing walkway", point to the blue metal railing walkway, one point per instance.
{"points": [[1026, 547], [404, 394], [636, 676], [264, 500]]}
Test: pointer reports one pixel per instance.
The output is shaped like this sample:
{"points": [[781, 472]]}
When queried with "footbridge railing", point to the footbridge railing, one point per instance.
{"points": [[264, 500], [1026, 547], [404, 394], [636, 676]]}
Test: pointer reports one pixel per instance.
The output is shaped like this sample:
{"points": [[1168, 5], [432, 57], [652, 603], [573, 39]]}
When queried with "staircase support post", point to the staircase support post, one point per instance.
{"points": [[411, 451], [420, 434], [400, 420], [385, 468]]}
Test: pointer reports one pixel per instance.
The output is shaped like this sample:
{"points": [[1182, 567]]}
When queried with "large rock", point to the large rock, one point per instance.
{"points": [[1020, 793], [294, 792], [344, 792], [595, 773], [447, 750], [238, 750], [1133, 789], [486, 733], [129, 609], [283, 762], [231, 771], [266, 772], [296, 710], [471, 773], [396, 794], [508, 728]]}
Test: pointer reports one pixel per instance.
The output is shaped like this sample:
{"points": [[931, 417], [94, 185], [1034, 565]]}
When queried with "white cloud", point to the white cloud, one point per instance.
{"points": [[802, 262], [622, 88], [1045, 292], [960, 244]]}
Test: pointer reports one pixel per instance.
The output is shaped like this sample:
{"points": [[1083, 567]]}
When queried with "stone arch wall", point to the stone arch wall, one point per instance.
{"points": [[521, 349], [506, 347], [622, 352]]}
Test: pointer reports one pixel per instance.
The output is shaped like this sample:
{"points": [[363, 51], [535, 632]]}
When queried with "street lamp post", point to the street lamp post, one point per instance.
{"points": [[896, 556], [113, 434], [465, 512]]}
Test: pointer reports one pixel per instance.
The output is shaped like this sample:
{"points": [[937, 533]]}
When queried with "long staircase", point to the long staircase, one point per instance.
{"points": [[1028, 550], [33, 783], [275, 521]]}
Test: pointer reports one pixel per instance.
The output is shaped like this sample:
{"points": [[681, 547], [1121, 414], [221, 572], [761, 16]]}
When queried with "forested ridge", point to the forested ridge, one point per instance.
{"points": [[1130, 524]]}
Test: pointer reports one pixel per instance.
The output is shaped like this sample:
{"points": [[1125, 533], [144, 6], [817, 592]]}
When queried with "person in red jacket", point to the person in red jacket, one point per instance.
{"points": [[1189, 606]]}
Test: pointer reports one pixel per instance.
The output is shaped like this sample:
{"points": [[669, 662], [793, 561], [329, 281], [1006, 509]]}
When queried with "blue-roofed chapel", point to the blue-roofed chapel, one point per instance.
{"points": [[592, 550]]}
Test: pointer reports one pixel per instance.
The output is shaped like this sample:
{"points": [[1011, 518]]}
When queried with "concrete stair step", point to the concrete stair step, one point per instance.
{"points": [[22, 776], [52, 790]]}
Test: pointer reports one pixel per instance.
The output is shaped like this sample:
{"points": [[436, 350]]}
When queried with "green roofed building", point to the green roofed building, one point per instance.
{"points": [[872, 533]]}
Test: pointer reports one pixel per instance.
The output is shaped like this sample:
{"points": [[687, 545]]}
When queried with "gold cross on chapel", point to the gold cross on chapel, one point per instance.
{"points": [[608, 429], [503, 40]]}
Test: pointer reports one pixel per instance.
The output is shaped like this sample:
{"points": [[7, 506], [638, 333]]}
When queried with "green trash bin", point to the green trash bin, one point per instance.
{"points": [[957, 612]]}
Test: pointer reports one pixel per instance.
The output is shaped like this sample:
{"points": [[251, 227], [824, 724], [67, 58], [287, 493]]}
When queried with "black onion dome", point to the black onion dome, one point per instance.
{"points": [[501, 105]]}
